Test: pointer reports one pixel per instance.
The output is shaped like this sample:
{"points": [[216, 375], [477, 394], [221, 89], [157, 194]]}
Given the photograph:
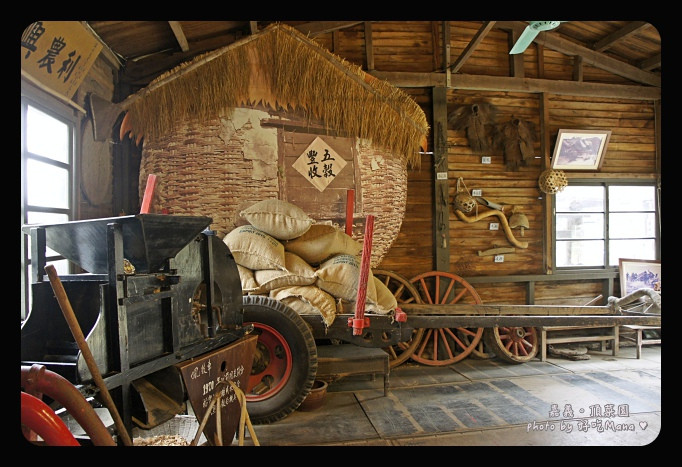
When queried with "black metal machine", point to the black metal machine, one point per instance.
{"points": [[156, 290]]}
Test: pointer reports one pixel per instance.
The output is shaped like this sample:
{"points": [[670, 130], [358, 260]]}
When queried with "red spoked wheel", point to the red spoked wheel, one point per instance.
{"points": [[445, 346], [404, 292], [513, 344], [482, 351]]}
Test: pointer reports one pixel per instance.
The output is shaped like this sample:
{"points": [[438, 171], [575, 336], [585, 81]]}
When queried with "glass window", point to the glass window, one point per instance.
{"points": [[595, 224], [46, 179]]}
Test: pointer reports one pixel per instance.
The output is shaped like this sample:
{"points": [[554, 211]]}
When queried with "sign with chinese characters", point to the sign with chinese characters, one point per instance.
{"points": [[58, 54], [208, 376], [319, 164]]}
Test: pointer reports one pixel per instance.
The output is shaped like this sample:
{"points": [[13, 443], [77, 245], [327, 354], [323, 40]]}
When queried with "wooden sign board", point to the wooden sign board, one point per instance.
{"points": [[58, 54], [205, 375]]}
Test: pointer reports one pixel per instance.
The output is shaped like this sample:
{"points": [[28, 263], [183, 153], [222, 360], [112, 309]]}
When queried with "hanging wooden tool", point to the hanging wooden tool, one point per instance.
{"points": [[503, 221], [496, 251], [463, 200]]}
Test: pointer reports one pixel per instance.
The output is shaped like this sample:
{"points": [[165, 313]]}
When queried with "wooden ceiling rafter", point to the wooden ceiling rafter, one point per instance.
{"points": [[589, 57], [512, 84], [316, 28], [627, 30], [472, 45], [179, 34]]}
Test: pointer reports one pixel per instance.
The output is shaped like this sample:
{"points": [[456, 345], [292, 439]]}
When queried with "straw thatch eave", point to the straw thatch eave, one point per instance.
{"points": [[282, 69]]}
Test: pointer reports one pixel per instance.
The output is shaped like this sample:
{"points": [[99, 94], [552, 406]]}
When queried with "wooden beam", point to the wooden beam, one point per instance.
{"points": [[253, 27], [547, 201], [578, 68], [316, 28], [109, 55], [622, 33], [471, 46], [369, 47], [335, 42], [446, 51], [502, 83], [541, 60], [441, 207], [435, 42], [651, 62], [516, 64], [589, 56], [179, 35]]}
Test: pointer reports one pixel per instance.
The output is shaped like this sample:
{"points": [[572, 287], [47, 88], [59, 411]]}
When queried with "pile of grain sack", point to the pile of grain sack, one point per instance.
{"points": [[312, 268]]}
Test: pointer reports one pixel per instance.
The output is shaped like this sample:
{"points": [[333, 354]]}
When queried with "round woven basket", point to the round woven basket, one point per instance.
{"points": [[552, 181], [215, 169]]}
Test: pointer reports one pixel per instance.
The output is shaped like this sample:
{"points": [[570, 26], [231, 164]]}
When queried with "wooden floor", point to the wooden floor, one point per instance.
{"points": [[603, 401]]}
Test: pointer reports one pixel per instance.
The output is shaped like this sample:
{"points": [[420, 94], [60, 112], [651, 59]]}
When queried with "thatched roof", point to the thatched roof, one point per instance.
{"points": [[282, 69]]}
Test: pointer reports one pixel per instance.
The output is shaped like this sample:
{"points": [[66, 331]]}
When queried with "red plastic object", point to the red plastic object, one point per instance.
{"points": [[148, 194], [36, 380], [400, 315], [37, 416], [359, 322]]}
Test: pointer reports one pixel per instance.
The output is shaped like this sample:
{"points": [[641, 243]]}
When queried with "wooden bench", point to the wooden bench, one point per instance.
{"points": [[611, 335], [337, 361], [639, 340]]}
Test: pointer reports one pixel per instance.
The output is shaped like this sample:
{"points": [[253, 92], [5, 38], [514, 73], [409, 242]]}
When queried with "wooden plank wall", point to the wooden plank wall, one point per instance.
{"points": [[417, 46], [631, 154]]}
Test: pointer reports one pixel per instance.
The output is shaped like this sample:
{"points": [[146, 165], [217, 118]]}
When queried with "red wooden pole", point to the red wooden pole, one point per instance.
{"points": [[148, 194], [350, 202], [359, 322]]}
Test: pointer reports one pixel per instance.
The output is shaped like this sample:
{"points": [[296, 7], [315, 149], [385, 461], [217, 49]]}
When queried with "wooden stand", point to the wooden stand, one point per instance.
{"points": [[639, 340], [337, 361], [545, 341]]}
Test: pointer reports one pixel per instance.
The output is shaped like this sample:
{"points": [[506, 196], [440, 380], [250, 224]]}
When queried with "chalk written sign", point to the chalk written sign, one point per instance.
{"points": [[210, 374], [58, 54]]}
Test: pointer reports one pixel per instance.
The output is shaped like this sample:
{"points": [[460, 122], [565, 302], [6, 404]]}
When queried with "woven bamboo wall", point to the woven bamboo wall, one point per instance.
{"points": [[219, 167]]}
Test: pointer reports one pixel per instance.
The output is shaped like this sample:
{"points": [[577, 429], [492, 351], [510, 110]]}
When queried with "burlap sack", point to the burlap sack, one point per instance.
{"points": [[297, 272], [277, 218], [321, 242], [249, 284], [386, 301], [339, 276], [307, 300], [254, 249]]}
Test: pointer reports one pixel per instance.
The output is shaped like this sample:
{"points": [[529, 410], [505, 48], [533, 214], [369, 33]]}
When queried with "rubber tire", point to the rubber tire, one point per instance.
{"points": [[302, 348]]}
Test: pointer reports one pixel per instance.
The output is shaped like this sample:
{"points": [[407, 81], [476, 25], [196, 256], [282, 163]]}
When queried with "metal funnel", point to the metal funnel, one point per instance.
{"points": [[148, 239]]}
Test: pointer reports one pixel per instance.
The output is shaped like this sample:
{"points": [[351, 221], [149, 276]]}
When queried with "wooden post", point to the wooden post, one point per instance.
{"points": [[359, 321], [350, 202], [441, 210], [148, 194]]}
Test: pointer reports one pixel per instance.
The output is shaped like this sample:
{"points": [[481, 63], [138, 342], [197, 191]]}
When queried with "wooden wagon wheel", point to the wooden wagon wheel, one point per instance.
{"points": [[513, 344], [444, 346], [482, 351], [404, 292]]}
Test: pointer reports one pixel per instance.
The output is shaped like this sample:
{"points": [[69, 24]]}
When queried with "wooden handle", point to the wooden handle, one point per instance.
{"points": [[75, 328], [496, 251]]}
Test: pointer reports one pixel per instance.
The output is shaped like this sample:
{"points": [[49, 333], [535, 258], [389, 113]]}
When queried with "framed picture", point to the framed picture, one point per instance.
{"points": [[639, 274], [580, 149]]}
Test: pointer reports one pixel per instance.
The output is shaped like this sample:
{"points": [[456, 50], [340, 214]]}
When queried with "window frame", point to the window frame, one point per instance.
{"points": [[70, 117], [606, 183]]}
